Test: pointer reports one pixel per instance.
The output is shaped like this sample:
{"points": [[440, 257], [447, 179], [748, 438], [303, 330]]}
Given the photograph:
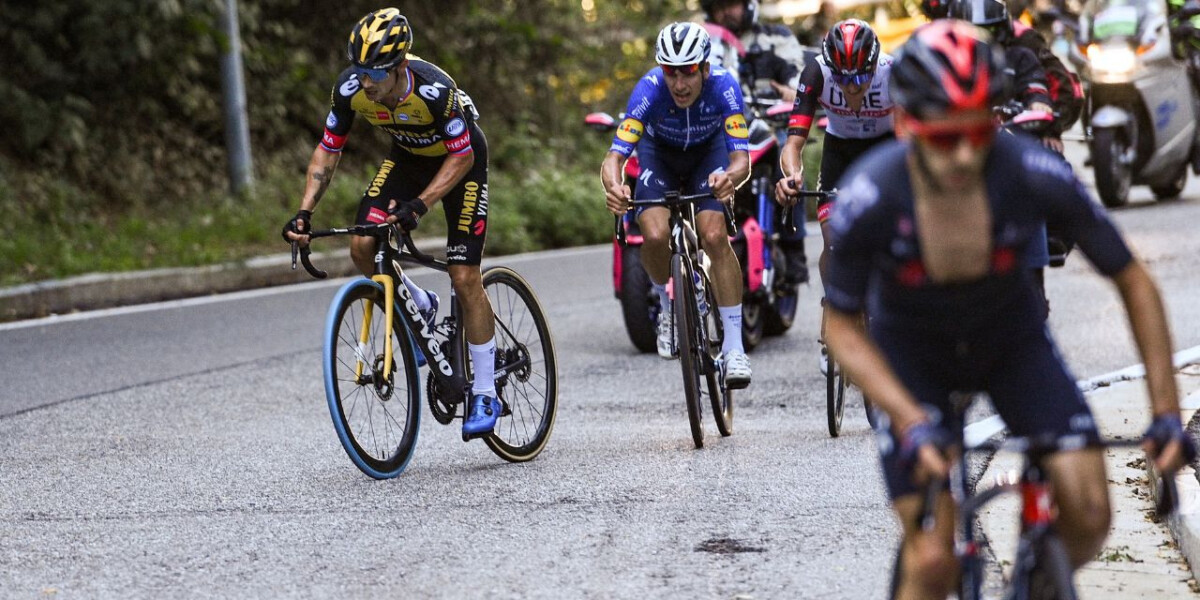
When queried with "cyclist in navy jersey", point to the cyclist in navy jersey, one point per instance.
{"points": [[438, 153], [850, 80], [930, 233], [687, 122]]}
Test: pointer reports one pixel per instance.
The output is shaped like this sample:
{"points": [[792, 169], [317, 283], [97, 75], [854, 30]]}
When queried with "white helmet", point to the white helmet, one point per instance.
{"points": [[682, 44]]}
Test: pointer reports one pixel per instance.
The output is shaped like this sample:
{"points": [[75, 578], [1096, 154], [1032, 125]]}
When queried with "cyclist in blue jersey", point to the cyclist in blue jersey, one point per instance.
{"points": [[687, 122], [438, 153], [930, 232]]}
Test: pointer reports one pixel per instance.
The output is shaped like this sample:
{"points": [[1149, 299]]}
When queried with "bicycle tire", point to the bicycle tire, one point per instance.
{"points": [[686, 328], [753, 322], [713, 331], [1043, 569], [639, 302], [530, 391], [872, 412], [835, 396], [376, 421], [781, 313]]}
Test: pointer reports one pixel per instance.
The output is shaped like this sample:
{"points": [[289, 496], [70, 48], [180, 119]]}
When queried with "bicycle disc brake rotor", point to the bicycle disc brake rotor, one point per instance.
{"points": [[515, 355], [383, 387]]}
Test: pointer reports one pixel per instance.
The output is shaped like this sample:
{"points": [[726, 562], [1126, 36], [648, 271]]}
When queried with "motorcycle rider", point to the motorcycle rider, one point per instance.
{"points": [[1184, 19], [687, 123], [1029, 79], [769, 58]]}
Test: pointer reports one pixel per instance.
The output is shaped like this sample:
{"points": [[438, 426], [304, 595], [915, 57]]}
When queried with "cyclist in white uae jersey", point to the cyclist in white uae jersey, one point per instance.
{"points": [[850, 81]]}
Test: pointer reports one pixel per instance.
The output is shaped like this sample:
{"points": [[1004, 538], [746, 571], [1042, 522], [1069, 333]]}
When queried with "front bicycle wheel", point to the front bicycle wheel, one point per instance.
{"points": [[526, 367], [712, 336], [375, 406], [1043, 569], [835, 396], [687, 320]]}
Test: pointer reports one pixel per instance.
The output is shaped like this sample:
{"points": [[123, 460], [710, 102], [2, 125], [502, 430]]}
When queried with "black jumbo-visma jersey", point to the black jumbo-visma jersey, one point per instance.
{"points": [[429, 120]]}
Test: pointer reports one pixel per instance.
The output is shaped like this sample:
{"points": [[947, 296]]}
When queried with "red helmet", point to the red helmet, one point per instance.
{"points": [[851, 48], [947, 66]]}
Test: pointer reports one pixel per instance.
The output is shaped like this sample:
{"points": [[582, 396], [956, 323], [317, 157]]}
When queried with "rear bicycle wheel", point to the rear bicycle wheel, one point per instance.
{"points": [[377, 417], [712, 337], [835, 396], [687, 320], [526, 368]]}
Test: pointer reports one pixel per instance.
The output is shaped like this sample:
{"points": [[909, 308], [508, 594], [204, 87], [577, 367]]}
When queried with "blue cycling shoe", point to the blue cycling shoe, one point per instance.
{"points": [[430, 316], [481, 420]]}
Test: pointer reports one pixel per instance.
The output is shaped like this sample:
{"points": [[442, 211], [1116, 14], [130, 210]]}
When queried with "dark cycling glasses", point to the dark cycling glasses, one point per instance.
{"points": [[948, 137], [680, 69], [376, 75], [845, 80]]}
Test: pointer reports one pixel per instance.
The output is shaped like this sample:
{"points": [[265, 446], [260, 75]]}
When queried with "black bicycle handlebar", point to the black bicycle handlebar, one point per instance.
{"points": [[1166, 496], [671, 199], [788, 221], [374, 230]]}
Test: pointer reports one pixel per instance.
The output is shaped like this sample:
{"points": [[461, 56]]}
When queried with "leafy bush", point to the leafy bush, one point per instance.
{"points": [[115, 152]]}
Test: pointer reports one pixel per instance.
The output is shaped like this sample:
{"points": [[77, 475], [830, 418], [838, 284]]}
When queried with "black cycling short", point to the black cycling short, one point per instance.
{"points": [[403, 176], [837, 154], [1016, 364]]}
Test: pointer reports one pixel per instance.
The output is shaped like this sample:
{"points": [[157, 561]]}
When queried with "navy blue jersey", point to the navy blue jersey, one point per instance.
{"points": [[875, 239], [653, 113]]}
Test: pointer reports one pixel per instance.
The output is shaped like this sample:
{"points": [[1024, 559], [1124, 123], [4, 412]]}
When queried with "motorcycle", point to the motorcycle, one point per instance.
{"points": [[1142, 110], [768, 303]]}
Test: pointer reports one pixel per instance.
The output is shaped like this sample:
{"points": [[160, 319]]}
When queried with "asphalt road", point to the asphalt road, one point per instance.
{"points": [[186, 450]]}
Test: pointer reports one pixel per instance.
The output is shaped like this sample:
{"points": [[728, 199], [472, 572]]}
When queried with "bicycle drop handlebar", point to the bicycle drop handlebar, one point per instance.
{"points": [[1167, 495], [378, 230], [668, 200], [788, 220]]}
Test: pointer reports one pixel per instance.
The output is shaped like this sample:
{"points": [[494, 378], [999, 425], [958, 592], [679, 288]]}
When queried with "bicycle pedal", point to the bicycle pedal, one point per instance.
{"points": [[466, 437]]}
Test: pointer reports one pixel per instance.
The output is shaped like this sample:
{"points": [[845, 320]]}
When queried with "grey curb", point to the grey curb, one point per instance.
{"points": [[108, 290], [1184, 523]]}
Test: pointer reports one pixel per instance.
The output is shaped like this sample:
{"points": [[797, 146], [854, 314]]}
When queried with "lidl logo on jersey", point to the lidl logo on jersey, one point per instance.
{"points": [[736, 127], [630, 131]]}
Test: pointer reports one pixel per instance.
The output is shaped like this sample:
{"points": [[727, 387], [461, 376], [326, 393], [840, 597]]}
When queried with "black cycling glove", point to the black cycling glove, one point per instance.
{"points": [[409, 212], [918, 435], [291, 226], [1166, 429]]}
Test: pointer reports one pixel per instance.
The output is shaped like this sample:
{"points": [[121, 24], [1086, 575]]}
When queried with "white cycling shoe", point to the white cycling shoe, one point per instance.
{"points": [[666, 334], [737, 369]]}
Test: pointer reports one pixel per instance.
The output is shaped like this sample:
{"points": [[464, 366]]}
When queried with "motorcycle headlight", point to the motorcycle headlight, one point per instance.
{"points": [[1112, 62]]}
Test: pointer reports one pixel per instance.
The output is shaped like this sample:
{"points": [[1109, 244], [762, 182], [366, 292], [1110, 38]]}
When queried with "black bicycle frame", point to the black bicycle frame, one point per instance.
{"points": [[1037, 517], [446, 364]]}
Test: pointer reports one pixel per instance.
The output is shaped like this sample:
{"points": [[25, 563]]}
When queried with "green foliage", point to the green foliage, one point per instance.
{"points": [[115, 152]]}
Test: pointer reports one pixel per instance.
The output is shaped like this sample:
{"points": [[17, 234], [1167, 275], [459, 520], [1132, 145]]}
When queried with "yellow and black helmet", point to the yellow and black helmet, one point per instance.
{"points": [[380, 40]]}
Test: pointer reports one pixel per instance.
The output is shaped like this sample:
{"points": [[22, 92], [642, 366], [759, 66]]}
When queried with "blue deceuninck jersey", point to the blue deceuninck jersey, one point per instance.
{"points": [[653, 116]]}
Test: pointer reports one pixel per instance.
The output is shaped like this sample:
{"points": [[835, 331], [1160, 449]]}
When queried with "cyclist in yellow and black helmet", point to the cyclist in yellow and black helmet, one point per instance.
{"points": [[438, 153], [379, 41]]}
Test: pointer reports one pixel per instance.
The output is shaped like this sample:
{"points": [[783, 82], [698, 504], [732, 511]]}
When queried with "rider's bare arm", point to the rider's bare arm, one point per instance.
{"points": [[616, 193], [865, 365], [791, 162], [321, 167], [1148, 321], [724, 183]]}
